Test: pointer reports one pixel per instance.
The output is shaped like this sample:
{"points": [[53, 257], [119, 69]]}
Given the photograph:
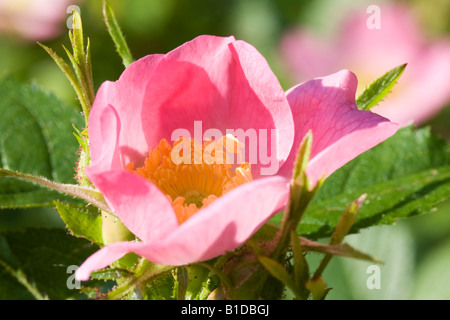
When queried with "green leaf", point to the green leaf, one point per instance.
{"points": [[379, 89], [116, 34], [81, 222], [12, 277], [406, 175], [160, 287], [34, 263], [35, 138]]}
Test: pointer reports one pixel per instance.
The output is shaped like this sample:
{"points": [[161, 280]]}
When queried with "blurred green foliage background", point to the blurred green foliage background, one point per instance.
{"points": [[416, 251]]}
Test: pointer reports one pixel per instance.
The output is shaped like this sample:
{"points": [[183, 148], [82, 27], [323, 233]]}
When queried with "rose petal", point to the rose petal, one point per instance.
{"points": [[104, 257], [125, 95], [222, 83], [138, 203], [105, 153], [340, 131], [226, 223]]}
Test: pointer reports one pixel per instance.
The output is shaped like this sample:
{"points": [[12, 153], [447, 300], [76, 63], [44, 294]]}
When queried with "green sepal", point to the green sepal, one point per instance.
{"points": [[81, 80], [82, 222], [116, 34], [68, 73]]}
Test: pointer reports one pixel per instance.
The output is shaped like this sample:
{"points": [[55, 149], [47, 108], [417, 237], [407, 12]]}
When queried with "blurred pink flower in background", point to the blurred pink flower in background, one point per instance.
{"points": [[423, 88], [34, 20]]}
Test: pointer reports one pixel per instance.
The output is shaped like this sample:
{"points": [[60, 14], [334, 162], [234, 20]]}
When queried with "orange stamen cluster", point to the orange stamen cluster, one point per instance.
{"points": [[193, 175]]}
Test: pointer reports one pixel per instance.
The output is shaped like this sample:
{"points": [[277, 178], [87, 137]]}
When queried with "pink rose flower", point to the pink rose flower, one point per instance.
{"points": [[34, 19], [423, 88], [184, 213]]}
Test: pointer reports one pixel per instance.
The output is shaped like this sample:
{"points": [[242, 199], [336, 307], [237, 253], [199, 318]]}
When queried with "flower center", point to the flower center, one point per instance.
{"points": [[193, 175]]}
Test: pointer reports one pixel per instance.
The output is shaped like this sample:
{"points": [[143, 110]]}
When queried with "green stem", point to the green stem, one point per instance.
{"points": [[182, 282], [89, 194], [346, 221], [323, 264]]}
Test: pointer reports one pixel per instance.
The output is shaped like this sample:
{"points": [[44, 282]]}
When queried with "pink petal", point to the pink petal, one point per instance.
{"points": [[125, 95], [225, 84], [104, 143], [340, 131], [222, 226], [104, 257], [226, 223], [257, 75], [138, 203]]}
